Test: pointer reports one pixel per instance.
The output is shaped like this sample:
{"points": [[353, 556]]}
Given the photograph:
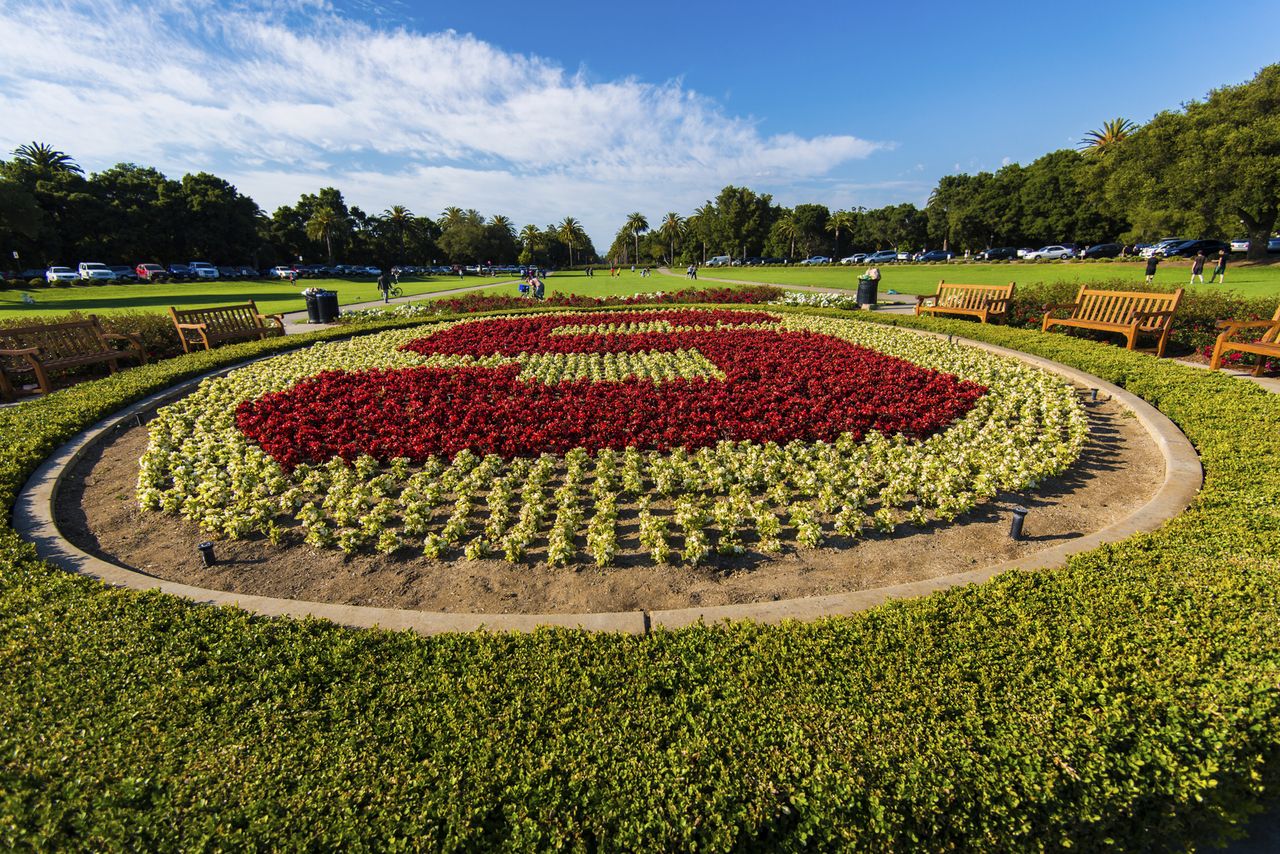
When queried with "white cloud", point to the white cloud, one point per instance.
{"points": [[284, 96]]}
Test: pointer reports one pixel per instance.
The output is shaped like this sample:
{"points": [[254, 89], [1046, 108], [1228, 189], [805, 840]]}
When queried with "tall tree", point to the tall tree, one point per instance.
{"points": [[572, 233], [671, 230], [45, 161], [1216, 161], [324, 224], [636, 223], [839, 221], [399, 220], [1107, 137]]}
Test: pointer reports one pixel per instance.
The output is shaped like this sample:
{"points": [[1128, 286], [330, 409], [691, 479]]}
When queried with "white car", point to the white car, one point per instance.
{"points": [[1050, 253], [282, 272], [1240, 244], [203, 270], [854, 259], [61, 274], [816, 259], [92, 271], [1159, 247]]}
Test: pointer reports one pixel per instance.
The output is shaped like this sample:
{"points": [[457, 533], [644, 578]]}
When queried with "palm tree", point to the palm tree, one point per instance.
{"points": [[400, 219], [790, 229], [636, 223], [46, 160], [570, 231], [1104, 139], [672, 229], [835, 223], [503, 223], [451, 215], [704, 215], [323, 225], [530, 237]]}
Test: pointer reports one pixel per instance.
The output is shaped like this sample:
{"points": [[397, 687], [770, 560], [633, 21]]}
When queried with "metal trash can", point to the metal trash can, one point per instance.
{"points": [[867, 292], [322, 306]]}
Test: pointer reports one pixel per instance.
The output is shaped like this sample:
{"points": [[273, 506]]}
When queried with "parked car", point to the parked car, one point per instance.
{"points": [[179, 272], [202, 270], [61, 274], [282, 272], [855, 258], [248, 273], [1103, 250], [884, 256], [1273, 245], [229, 273], [935, 255], [1240, 244], [1160, 246], [1004, 253], [1055, 252], [816, 259], [123, 273], [1191, 247], [92, 271], [718, 261], [151, 273]]}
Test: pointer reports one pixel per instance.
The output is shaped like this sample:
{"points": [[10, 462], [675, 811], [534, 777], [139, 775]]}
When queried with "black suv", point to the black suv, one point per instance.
{"points": [[1004, 253]]}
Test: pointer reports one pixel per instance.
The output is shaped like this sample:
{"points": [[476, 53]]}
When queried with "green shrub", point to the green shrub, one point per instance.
{"points": [[1128, 700]]}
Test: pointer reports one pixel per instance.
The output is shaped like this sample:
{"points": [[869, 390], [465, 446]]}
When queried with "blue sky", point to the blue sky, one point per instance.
{"points": [[541, 111]]}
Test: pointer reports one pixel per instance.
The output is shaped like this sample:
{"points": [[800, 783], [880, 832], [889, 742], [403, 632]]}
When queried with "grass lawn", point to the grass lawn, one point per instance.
{"points": [[1247, 280], [271, 296], [577, 282]]}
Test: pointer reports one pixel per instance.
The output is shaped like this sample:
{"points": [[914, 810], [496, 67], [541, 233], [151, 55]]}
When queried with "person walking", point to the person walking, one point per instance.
{"points": [[1152, 261], [539, 290], [384, 285], [1221, 269], [1197, 268]]}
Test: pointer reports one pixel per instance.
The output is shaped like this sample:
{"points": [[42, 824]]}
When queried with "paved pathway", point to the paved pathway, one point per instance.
{"points": [[295, 322]]}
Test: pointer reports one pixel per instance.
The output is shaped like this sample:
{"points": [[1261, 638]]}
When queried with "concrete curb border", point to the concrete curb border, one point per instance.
{"points": [[33, 519]]}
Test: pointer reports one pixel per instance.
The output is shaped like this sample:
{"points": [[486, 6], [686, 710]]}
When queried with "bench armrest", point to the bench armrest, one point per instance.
{"points": [[921, 299], [25, 351], [278, 319], [1233, 326]]}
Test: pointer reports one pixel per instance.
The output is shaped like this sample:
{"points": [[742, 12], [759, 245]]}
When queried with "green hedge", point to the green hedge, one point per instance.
{"points": [[1130, 699]]}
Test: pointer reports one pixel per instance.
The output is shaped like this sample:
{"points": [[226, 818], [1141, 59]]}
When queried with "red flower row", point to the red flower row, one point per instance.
{"points": [[778, 386], [742, 295]]}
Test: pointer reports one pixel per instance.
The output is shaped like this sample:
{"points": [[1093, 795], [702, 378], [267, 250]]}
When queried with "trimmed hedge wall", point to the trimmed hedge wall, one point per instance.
{"points": [[1131, 699]]}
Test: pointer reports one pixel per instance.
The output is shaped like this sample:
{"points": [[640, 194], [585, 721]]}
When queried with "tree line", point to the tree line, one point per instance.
{"points": [[51, 212], [1209, 169]]}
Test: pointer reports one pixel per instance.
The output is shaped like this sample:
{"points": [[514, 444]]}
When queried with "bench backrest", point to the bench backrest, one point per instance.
{"points": [[64, 340], [970, 296], [1119, 307], [221, 318]]}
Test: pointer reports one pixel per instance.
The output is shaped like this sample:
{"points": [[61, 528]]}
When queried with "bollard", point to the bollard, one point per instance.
{"points": [[1093, 395], [206, 554], [1019, 516]]}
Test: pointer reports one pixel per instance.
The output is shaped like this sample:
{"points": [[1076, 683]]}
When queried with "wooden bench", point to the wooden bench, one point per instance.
{"points": [[1268, 346], [1128, 313], [981, 301], [220, 324], [43, 348]]}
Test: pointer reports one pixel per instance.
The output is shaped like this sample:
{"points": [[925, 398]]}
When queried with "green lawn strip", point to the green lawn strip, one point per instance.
{"points": [[1246, 280], [1127, 700], [272, 297]]}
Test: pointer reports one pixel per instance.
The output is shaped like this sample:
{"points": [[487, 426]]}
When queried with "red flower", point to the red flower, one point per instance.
{"points": [[778, 386]]}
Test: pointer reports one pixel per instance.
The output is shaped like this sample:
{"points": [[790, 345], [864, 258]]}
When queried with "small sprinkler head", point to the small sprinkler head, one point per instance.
{"points": [[1015, 526]]}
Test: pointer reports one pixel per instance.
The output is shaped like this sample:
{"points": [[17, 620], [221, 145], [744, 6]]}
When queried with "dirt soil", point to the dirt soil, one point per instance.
{"points": [[1118, 473]]}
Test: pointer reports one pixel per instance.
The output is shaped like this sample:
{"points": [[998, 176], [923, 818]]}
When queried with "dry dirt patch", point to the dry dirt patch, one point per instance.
{"points": [[1119, 471]]}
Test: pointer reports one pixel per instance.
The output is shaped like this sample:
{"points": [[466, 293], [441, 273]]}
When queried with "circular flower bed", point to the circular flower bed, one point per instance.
{"points": [[532, 437]]}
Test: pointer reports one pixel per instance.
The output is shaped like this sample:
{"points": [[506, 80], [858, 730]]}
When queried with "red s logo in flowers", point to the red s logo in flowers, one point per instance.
{"points": [[778, 385]]}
